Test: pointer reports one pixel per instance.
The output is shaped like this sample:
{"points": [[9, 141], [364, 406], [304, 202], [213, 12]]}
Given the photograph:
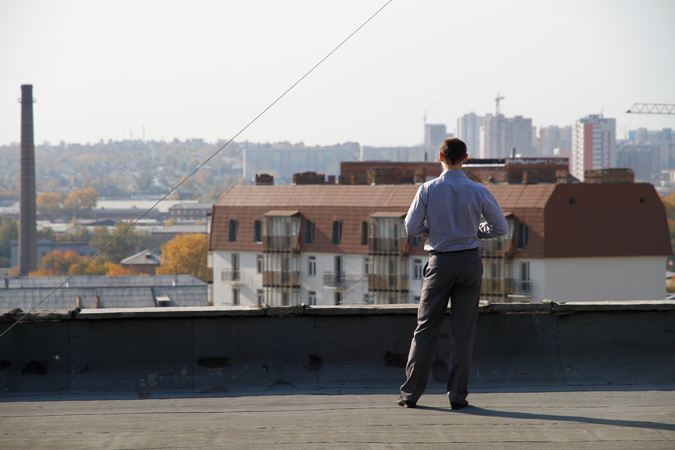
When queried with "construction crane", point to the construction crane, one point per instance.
{"points": [[427, 112], [497, 100], [651, 108]]}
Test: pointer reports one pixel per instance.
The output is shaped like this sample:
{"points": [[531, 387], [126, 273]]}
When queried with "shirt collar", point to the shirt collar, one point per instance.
{"points": [[453, 173]]}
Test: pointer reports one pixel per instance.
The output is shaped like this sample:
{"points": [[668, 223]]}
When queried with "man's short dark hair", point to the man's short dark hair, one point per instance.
{"points": [[453, 150]]}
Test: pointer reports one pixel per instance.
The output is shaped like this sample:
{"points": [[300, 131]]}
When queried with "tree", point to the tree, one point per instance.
{"points": [[669, 204], [126, 244], [185, 254], [115, 270], [81, 201], [49, 204], [57, 263], [144, 182], [47, 234], [9, 231], [77, 234]]}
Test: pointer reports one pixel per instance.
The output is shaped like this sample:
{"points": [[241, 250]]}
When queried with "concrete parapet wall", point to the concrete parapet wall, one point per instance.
{"points": [[252, 349]]}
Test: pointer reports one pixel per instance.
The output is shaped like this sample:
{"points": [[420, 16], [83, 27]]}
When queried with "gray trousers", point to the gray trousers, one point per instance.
{"points": [[457, 277]]}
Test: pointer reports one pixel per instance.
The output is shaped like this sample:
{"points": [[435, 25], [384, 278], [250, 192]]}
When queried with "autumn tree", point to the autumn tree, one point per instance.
{"points": [[185, 254], [49, 204], [81, 202], [669, 203], [56, 263]]}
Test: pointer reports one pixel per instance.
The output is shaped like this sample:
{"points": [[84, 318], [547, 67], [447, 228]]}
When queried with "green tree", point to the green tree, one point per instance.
{"points": [[9, 231], [47, 234], [125, 245], [78, 234]]}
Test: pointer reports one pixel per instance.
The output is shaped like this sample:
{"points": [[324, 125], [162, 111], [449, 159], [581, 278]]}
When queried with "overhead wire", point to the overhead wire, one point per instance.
{"points": [[199, 167]]}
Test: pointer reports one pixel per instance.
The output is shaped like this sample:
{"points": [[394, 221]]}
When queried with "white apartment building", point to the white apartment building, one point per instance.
{"points": [[346, 244], [593, 145]]}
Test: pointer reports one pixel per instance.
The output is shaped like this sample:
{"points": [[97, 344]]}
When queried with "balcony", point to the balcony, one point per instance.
{"points": [[388, 283], [518, 288], [273, 279], [506, 287], [336, 280], [232, 276], [388, 246]]}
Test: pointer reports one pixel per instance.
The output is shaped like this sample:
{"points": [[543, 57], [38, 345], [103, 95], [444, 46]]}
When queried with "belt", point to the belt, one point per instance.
{"points": [[435, 253]]}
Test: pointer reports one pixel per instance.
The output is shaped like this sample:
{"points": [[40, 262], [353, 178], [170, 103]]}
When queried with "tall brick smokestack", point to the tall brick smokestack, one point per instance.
{"points": [[27, 226]]}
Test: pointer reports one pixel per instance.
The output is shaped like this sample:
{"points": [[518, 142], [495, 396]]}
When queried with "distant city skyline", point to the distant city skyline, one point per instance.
{"points": [[107, 70]]}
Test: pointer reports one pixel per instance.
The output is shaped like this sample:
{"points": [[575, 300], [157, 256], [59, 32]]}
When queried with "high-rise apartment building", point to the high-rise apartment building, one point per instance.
{"points": [[499, 135], [593, 144], [468, 130], [553, 137], [434, 135]]}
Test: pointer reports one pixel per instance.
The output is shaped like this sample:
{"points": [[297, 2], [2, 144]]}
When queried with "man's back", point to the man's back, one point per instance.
{"points": [[448, 210]]}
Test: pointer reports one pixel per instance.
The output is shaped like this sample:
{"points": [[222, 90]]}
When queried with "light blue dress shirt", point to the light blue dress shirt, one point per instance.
{"points": [[448, 210]]}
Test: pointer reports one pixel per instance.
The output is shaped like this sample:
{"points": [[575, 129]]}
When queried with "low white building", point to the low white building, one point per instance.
{"points": [[346, 244]]}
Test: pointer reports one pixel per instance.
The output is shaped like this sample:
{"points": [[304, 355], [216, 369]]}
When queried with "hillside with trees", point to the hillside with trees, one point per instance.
{"points": [[123, 168]]}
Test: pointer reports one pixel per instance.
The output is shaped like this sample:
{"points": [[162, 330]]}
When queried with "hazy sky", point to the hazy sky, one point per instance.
{"points": [[198, 69]]}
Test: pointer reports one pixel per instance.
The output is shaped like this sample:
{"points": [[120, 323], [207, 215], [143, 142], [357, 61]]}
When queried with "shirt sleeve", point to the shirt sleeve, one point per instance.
{"points": [[415, 220], [495, 224]]}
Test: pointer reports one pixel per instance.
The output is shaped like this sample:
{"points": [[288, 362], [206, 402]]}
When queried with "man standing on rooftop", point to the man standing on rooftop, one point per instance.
{"points": [[448, 211]]}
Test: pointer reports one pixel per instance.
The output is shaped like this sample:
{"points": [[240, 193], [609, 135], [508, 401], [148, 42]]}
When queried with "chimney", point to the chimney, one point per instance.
{"points": [[264, 179], [27, 226]]}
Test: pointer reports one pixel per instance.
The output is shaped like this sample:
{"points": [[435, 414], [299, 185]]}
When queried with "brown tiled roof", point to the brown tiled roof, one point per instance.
{"points": [[605, 219], [282, 213], [298, 197]]}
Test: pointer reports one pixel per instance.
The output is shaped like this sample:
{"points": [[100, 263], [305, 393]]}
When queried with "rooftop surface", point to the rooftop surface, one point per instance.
{"points": [[616, 417], [554, 375]]}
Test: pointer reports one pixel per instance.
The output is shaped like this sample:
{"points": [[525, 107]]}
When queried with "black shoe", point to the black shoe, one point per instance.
{"points": [[460, 405], [406, 403]]}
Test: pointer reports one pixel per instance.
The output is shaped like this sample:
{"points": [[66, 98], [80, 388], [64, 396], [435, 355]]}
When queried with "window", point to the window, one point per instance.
{"points": [[364, 233], [338, 298], [366, 265], [235, 296], [416, 299], [261, 298], [415, 241], [337, 233], [417, 269], [312, 298], [311, 269], [260, 264], [525, 276], [284, 299], [235, 266], [232, 235], [572, 200], [522, 236], [257, 231], [525, 271], [309, 232], [338, 269]]}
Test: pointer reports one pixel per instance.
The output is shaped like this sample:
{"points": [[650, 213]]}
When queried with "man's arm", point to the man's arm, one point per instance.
{"points": [[415, 220], [496, 224]]}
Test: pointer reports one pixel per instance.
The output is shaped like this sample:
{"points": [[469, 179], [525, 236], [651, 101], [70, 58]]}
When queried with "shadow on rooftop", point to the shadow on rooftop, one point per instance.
{"points": [[557, 417]]}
